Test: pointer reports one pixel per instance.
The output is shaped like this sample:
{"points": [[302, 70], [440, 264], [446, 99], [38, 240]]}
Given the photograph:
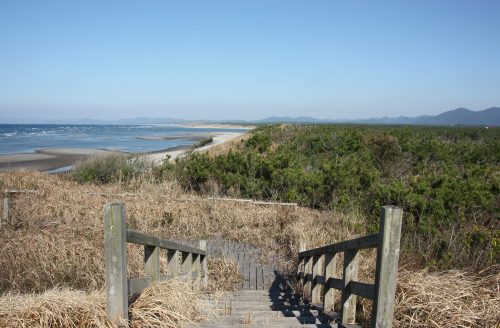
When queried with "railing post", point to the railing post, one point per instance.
{"points": [[387, 266], [115, 247], [301, 270], [317, 287], [350, 274], [6, 210], [173, 266], [308, 277], [187, 265], [204, 266], [329, 269], [152, 262], [196, 271]]}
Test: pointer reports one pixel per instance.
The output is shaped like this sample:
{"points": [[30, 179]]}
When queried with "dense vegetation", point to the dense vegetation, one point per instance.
{"points": [[446, 180]]}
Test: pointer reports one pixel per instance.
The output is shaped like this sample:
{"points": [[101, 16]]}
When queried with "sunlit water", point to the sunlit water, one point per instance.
{"points": [[25, 138]]}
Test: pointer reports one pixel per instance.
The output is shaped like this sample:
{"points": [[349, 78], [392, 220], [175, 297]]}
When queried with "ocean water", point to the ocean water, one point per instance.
{"points": [[27, 138]]}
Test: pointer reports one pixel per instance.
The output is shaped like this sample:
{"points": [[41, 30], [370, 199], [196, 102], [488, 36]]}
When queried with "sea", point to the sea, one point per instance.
{"points": [[27, 138]]}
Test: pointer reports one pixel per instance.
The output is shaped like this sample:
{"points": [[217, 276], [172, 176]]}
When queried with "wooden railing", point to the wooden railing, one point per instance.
{"points": [[317, 272], [182, 260]]}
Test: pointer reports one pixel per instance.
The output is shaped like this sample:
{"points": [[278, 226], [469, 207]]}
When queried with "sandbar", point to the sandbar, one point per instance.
{"points": [[47, 159]]}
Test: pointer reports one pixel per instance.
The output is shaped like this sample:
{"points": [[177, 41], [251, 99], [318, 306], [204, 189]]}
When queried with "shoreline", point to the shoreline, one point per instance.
{"points": [[215, 126], [52, 160], [175, 152]]}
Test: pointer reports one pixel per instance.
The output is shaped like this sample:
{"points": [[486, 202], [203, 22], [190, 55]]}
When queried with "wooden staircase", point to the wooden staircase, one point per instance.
{"points": [[275, 307], [263, 299]]}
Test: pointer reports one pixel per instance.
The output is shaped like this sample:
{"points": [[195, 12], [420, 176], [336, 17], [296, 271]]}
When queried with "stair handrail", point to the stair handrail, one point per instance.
{"points": [[182, 261], [317, 269]]}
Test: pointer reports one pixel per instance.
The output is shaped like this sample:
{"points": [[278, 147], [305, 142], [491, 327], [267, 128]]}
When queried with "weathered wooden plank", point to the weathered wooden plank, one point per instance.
{"points": [[316, 286], [336, 283], [252, 277], [351, 258], [137, 285], [204, 265], [251, 201], [196, 271], [329, 272], [362, 289], [258, 277], [187, 263], [246, 274], [115, 249], [369, 241], [142, 239], [391, 219], [173, 265], [302, 267], [152, 262], [308, 277], [148, 240]]}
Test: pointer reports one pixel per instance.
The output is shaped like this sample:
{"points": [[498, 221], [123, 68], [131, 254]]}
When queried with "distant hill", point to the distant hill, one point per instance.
{"points": [[288, 119], [463, 116], [459, 116]]}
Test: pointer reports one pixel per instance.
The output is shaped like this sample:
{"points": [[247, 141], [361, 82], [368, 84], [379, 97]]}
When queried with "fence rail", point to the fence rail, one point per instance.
{"points": [[317, 269], [182, 260]]}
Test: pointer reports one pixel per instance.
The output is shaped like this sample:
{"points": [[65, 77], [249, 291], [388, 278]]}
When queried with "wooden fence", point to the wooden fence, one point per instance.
{"points": [[317, 270], [182, 260]]}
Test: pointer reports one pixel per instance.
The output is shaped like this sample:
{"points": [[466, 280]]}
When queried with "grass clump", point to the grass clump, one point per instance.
{"points": [[115, 167], [223, 274], [447, 299], [168, 304], [56, 308]]}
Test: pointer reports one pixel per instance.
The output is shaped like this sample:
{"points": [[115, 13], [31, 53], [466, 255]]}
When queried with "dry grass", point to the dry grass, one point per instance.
{"points": [[447, 299], [57, 240], [223, 274], [54, 308], [65, 220], [168, 304]]}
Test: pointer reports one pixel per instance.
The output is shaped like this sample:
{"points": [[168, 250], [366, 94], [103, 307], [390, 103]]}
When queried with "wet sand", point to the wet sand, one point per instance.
{"points": [[47, 159]]}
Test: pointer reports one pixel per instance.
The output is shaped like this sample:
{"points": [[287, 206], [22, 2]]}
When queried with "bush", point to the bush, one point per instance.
{"points": [[445, 179], [110, 168]]}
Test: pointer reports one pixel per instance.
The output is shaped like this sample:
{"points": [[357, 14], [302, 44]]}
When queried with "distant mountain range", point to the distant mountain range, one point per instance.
{"points": [[459, 116]]}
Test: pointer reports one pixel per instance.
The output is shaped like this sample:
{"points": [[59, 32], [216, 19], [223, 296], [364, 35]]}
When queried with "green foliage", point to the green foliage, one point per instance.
{"points": [[259, 141], [443, 178], [109, 168]]}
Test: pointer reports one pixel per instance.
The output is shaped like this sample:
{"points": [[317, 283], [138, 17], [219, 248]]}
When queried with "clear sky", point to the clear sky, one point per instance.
{"points": [[246, 59]]}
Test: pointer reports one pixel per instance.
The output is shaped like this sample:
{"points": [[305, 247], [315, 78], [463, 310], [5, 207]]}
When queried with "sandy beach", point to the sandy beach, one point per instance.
{"points": [[215, 126], [55, 158], [47, 159], [218, 139]]}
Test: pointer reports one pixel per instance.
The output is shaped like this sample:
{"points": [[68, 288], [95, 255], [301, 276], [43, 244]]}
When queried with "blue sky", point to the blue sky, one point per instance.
{"points": [[246, 59]]}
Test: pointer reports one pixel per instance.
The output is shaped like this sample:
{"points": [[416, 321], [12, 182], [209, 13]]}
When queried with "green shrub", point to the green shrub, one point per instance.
{"points": [[443, 178], [110, 168]]}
